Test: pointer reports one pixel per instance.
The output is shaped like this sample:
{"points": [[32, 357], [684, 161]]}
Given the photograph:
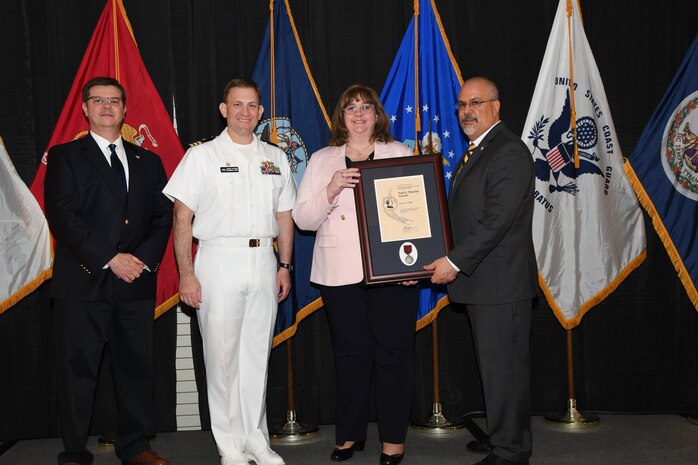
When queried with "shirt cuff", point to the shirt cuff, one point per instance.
{"points": [[453, 265]]}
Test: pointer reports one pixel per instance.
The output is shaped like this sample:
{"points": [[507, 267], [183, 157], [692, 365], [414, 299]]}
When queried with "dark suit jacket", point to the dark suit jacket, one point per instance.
{"points": [[91, 223], [491, 209]]}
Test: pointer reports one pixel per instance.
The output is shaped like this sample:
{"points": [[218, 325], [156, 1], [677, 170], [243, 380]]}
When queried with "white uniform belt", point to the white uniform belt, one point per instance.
{"points": [[239, 242]]}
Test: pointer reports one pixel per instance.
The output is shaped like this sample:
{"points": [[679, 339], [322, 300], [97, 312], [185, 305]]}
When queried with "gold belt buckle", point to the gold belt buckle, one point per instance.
{"points": [[254, 242]]}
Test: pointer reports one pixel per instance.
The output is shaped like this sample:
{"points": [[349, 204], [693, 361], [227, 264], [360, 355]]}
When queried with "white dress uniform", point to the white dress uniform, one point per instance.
{"points": [[235, 192]]}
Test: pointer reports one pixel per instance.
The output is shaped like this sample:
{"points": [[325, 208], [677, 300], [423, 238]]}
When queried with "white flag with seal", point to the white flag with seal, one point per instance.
{"points": [[588, 228], [25, 242]]}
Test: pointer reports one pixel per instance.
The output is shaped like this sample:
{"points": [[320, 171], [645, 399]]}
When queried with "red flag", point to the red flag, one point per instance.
{"points": [[113, 52]]}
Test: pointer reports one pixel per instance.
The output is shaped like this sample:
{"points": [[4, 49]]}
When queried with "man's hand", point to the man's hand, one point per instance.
{"points": [[283, 283], [190, 290], [126, 267], [444, 273]]}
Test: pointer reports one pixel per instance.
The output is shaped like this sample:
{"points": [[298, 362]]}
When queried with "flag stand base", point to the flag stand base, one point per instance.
{"points": [[438, 423], [106, 441], [292, 432], [572, 419], [693, 416]]}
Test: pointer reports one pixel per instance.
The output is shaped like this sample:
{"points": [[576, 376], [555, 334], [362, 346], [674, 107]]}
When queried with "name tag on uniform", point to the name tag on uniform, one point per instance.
{"points": [[268, 167], [229, 169]]}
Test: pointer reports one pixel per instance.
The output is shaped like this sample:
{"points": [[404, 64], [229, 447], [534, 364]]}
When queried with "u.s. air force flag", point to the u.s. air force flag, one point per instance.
{"points": [[665, 176], [420, 98], [588, 229], [295, 120]]}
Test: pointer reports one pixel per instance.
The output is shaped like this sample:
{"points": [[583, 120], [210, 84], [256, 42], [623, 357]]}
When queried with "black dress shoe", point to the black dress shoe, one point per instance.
{"points": [[391, 459], [483, 446], [497, 460], [340, 455]]}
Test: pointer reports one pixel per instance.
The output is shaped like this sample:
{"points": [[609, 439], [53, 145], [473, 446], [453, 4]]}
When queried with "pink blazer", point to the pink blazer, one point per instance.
{"points": [[337, 253]]}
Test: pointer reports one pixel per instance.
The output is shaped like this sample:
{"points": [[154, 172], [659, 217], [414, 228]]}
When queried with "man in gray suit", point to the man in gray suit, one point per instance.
{"points": [[492, 267]]}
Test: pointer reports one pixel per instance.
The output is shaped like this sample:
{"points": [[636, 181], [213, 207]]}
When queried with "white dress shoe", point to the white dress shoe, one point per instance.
{"points": [[265, 457], [237, 459]]}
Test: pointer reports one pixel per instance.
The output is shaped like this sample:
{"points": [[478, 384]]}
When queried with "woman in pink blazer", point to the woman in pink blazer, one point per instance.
{"points": [[372, 326]]}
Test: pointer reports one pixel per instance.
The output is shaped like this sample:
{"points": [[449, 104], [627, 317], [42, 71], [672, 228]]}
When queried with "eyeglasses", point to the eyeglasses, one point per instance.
{"points": [[474, 104], [104, 100], [363, 108]]}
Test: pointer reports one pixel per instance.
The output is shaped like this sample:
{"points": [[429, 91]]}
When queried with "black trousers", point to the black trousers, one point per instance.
{"points": [[501, 334], [82, 329], [373, 336]]}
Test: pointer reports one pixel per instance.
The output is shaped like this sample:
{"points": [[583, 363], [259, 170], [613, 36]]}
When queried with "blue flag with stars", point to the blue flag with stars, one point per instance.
{"points": [[295, 120], [664, 171], [426, 120]]}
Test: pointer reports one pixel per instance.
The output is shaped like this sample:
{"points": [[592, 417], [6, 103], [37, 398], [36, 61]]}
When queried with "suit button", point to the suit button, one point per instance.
{"points": [[126, 221], [344, 217]]}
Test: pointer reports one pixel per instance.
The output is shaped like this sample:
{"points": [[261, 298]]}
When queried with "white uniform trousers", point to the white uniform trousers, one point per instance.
{"points": [[237, 316]]}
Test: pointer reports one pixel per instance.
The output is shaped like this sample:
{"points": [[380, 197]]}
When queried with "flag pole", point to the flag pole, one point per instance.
{"points": [[291, 431], [437, 422], [572, 419], [573, 110], [272, 78], [417, 119]]}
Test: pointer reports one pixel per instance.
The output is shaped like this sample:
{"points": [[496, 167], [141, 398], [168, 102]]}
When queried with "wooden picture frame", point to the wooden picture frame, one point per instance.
{"points": [[402, 216]]}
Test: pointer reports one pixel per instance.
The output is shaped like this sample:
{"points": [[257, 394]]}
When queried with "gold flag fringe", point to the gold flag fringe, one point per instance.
{"points": [[291, 330], [427, 319], [664, 235], [594, 300], [25, 290]]}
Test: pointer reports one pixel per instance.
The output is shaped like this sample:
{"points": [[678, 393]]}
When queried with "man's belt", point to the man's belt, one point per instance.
{"points": [[239, 242]]}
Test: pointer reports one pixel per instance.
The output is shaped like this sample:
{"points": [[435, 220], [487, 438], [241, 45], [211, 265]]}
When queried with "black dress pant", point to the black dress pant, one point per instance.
{"points": [[373, 330], [82, 329], [501, 333]]}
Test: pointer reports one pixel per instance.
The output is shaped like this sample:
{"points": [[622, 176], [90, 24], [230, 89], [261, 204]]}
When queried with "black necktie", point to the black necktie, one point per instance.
{"points": [[119, 173]]}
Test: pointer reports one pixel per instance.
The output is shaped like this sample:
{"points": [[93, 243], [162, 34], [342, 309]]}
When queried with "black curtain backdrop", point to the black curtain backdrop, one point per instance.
{"points": [[635, 352]]}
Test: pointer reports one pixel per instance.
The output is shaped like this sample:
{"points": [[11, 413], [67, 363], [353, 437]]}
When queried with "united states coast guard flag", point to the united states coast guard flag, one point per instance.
{"points": [[113, 52], [419, 97], [588, 229], [295, 120], [25, 242], [665, 176]]}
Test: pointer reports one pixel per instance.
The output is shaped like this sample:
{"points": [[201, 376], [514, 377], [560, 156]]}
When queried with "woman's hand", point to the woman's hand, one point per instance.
{"points": [[342, 179]]}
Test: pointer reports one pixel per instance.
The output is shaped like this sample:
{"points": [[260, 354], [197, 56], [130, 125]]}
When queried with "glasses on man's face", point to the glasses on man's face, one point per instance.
{"points": [[363, 108], [99, 101], [474, 104]]}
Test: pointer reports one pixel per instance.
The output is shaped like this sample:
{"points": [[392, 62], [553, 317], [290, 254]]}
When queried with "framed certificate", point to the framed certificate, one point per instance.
{"points": [[402, 216]]}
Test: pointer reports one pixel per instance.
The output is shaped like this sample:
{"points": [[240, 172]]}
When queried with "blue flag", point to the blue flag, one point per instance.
{"points": [[664, 171], [295, 120], [426, 120]]}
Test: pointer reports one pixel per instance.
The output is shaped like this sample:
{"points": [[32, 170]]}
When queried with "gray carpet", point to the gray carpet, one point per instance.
{"points": [[618, 440]]}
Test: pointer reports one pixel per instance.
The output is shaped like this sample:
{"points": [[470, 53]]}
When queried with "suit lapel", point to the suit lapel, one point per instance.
{"points": [[135, 173], [475, 157]]}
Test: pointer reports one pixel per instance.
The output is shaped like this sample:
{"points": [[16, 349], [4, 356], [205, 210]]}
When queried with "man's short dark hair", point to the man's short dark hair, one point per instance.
{"points": [[102, 81], [241, 82]]}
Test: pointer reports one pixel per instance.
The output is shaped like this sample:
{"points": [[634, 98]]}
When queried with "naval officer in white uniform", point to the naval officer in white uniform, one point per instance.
{"points": [[234, 194]]}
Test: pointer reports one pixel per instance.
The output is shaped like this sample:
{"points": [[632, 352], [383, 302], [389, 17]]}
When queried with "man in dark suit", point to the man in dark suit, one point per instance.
{"points": [[492, 267], [110, 220]]}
